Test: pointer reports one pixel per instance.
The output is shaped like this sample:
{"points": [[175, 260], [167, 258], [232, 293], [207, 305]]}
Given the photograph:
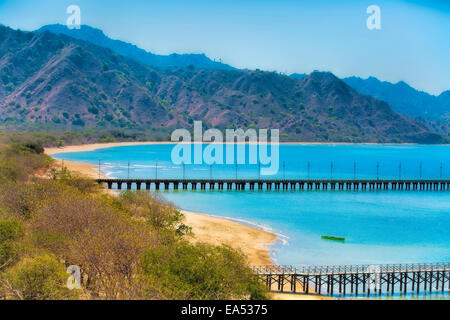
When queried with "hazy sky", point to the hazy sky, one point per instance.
{"points": [[283, 35]]}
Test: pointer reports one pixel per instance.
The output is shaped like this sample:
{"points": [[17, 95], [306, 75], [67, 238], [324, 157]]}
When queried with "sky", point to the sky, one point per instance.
{"points": [[287, 36]]}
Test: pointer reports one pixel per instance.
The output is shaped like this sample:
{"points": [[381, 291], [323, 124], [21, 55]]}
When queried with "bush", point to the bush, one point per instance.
{"points": [[200, 271], [52, 242], [26, 148], [40, 278], [19, 160], [158, 213], [78, 182], [78, 122], [108, 244], [22, 200], [93, 110], [129, 247], [10, 87], [10, 231]]}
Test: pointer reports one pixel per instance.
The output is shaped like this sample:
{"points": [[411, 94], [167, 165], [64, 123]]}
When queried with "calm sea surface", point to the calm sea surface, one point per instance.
{"points": [[379, 226]]}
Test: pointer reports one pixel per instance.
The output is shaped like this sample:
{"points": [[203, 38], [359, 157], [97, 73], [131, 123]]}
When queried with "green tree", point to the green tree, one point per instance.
{"points": [[10, 231], [40, 278], [200, 271]]}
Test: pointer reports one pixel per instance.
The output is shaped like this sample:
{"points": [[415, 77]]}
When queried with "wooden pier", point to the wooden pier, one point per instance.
{"points": [[358, 280], [277, 184]]}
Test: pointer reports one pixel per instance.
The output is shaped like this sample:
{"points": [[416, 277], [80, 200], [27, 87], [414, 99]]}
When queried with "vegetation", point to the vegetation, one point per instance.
{"points": [[52, 136], [201, 271], [132, 246]]}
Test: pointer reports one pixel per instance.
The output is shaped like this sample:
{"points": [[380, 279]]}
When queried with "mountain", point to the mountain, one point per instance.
{"points": [[57, 80], [438, 127], [298, 75], [405, 99], [97, 37], [444, 101]]}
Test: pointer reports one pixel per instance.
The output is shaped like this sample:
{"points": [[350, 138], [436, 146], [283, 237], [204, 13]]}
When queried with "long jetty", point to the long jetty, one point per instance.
{"points": [[279, 184], [357, 280]]}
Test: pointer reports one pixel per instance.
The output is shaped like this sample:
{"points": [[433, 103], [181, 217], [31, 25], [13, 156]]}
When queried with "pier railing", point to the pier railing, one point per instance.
{"points": [[333, 269], [277, 184], [410, 278]]}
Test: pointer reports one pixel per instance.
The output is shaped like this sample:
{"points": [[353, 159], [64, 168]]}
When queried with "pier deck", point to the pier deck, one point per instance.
{"points": [[279, 184], [357, 280]]}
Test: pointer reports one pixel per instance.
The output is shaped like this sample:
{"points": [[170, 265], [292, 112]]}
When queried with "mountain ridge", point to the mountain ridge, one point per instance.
{"points": [[404, 98], [400, 96], [58, 80], [97, 37]]}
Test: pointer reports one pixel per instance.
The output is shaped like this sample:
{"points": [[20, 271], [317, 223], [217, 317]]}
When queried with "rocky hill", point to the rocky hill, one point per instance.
{"points": [[404, 98], [62, 81], [129, 50]]}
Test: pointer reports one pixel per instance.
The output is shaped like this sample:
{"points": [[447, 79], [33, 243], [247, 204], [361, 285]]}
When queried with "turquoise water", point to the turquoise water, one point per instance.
{"points": [[379, 226]]}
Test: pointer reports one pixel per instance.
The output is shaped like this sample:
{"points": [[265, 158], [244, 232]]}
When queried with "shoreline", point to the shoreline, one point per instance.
{"points": [[85, 169], [252, 241], [96, 146]]}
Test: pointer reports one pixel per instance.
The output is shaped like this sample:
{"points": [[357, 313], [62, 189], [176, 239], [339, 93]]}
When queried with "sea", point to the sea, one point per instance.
{"points": [[380, 227]]}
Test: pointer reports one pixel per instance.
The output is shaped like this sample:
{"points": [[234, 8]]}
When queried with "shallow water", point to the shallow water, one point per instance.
{"points": [[379, 226]]}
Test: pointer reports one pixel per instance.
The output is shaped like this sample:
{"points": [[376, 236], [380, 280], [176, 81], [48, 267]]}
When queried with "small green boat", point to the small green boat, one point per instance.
{"points": [[333, 238]]}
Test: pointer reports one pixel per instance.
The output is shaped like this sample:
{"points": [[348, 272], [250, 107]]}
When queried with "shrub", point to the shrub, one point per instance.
{"points": [[10, 231], [158, 213], [52, 242], [200, 271], [26, 147], [78, 122], [93, 110], [129, 247], [10, 87], [78, 182], [40, 278], [34, 147], [107, 243], [23, 199], [107, 139]]}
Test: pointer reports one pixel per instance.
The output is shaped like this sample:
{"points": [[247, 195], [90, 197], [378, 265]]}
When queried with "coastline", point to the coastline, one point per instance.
{"points": [[253, 242], [96, 146], [86, 169]]}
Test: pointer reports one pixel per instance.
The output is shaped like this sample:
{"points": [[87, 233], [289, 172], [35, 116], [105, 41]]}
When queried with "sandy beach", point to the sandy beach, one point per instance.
{"points": [[251, 241], [85, 169], [96, 146]]}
